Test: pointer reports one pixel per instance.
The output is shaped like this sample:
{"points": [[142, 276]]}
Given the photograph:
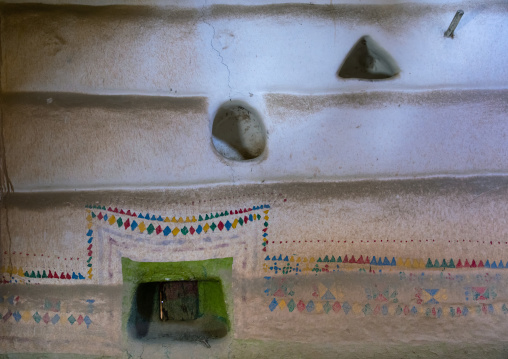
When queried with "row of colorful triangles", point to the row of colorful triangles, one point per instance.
{"points": [[151, 228], [180, 220], [50, 274], [393, 262]]}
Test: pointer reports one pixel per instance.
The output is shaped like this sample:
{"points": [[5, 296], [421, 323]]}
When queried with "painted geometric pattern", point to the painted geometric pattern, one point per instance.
{"points": [[368, 309], [50, 313], [147, 224], [291, 265]]}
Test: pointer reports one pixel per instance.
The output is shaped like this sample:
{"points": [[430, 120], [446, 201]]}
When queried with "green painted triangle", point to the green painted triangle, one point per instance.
{"points": [[26, 274], [451, 264], [429, 264], [93, 215], [332, 259], [200, 218], [207, 218], [325, 259], [319, 260], [436, 264], [217, 215], [39, 274], [32, 275], [339, 260], [444, 265], [44, 275]]}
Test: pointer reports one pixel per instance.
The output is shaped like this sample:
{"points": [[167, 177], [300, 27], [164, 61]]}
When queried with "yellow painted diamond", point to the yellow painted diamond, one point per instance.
{"points": [[235, 222], [282, 304], [267, 218], [26, 316], [175, 231], [319, 307], [142, 227], [206, 227], [89, 218], [112, 220]]}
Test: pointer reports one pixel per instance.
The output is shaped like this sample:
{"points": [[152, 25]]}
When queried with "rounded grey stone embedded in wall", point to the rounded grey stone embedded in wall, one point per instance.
{"points": [[368, 60], [238, 132]]}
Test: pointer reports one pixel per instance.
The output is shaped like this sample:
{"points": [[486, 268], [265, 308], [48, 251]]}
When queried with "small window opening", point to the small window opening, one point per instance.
{"points": [[178, 300]]}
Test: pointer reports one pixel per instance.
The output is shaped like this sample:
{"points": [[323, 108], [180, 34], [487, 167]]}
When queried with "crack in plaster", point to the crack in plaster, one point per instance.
{"points": [[203, 18]]}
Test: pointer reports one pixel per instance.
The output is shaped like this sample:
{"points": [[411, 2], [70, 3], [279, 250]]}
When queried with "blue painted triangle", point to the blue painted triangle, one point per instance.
{"points": [[432, 292], [432, 301], [286, 259], [394, 263], [267, 258], [328, 296], [487, 264], [493, 265], [147, 216], [373, 261], [140, 215], [274, 258], [386, 262], [280, 257], [500, 264]]}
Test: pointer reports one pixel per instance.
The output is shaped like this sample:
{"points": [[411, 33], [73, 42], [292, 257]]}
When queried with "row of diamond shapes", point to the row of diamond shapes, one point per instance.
{"points": [[46, 318], [386, 309], [180, 219], [142, 227]]}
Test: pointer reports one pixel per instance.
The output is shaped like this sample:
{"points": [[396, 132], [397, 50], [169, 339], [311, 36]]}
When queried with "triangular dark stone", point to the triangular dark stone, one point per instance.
{"points": [[368, 60]]}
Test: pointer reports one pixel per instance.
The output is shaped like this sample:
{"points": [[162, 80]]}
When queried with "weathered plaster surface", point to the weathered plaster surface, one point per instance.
{"points": [[108, 110]]}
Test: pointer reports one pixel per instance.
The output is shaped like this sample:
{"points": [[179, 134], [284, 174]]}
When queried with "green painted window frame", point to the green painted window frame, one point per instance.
{"points": [[213, 276]]}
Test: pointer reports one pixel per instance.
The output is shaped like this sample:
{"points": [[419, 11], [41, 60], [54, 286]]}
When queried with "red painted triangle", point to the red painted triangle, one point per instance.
{"points": [[481, 265], [459, 264], [68, 276], [473, 264], [264, 249], [62, 276], [122, 212], [360, 260], [346, 260], [236, 212], [265, 229], [116, 210], [50, 275], [128, 212], [89, 247], [240, 211], [466, 265], [110, 209], [367, 261]]}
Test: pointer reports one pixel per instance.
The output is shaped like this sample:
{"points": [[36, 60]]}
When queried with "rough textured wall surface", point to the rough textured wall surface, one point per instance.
{"points": [[372, 225]]}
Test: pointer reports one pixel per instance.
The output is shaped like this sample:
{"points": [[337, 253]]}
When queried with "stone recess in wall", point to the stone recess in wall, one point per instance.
{"points": [[238, 132], [368, 60]]}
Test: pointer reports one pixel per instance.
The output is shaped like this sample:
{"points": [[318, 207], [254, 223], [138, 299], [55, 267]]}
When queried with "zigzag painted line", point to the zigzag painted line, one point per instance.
{"points": [[160, 218]]}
